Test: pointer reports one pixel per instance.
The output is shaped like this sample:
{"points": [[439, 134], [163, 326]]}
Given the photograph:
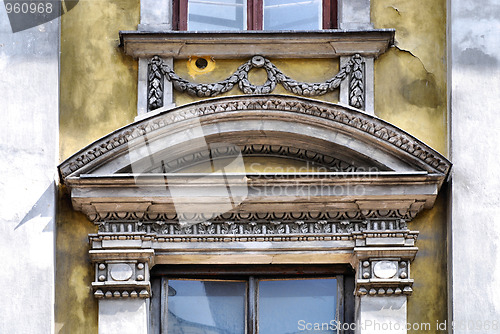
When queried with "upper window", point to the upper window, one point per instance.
{"points": [[216, 15]]}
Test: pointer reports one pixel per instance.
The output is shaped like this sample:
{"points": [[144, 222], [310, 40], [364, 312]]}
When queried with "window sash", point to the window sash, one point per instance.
{"points": [[253, 296], [225, 15], [250, 274], [254, 14], [288, 11]]}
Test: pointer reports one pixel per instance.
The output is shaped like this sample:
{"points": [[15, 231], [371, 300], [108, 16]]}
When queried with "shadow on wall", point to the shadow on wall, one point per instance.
{"points": [[474, 57], [43, 209]]}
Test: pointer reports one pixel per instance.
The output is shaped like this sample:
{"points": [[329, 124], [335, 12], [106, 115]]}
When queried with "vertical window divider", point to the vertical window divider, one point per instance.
{"points": [[340, 301], [252, 305], [255, 14], [250, 15], [164, 305], [179, 14], [330, 13]]}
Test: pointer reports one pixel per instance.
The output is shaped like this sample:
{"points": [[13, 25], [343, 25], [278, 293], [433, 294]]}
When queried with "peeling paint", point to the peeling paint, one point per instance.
{"points": [[396, 9], [410, 92]]}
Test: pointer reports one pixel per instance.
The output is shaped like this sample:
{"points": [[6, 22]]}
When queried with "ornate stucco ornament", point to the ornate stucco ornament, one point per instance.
{"points": [[343, 215], [158, 68]]}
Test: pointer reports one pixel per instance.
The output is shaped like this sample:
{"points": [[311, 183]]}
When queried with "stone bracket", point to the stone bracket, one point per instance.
{"points": [[122, 273], [383, 271]]}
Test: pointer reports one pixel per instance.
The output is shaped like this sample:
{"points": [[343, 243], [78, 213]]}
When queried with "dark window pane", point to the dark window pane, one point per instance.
{"points": [[216, 15], [206, 307], [292, 15], [283, 305]]}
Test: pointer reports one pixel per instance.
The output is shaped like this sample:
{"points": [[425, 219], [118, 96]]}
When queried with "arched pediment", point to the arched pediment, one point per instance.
{"points": [[196, 162], [334, 137]]}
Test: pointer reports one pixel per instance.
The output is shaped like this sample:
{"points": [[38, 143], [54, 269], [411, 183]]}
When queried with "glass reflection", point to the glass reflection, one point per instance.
{"points": [[284, 304], [206, 307], [292, 15], [205, 15]]}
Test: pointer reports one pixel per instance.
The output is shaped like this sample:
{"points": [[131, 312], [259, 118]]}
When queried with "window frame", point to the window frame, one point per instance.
{"points": [[160, 275], [255, 19]]}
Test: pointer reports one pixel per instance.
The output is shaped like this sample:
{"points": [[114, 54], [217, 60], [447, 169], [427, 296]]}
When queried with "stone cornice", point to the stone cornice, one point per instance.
{"points": [[129, 197], [287, 44]]}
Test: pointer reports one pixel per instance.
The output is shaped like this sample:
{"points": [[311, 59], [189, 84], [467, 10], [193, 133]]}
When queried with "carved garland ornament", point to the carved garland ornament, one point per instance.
{"points": [[158, 68]]}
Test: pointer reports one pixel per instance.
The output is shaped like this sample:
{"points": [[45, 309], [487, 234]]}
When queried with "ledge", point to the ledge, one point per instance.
{"points": [[100, 197], [244, 44]]}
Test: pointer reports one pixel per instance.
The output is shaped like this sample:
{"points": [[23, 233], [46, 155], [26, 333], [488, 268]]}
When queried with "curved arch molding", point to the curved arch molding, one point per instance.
{"points": [[300, 117]]}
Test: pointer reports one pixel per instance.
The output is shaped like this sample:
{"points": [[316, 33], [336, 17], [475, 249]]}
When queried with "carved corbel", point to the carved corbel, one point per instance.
{"points": [[383, 277], [122, 273], [382, 261]]}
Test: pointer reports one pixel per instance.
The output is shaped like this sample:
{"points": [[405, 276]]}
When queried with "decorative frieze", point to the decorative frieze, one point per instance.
{"points": [[385, 228], [353, 69], [137, 234]]}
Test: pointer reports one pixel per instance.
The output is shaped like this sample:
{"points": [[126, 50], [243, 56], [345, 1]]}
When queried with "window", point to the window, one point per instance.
{"points": [[237, 300], [216, 15]]}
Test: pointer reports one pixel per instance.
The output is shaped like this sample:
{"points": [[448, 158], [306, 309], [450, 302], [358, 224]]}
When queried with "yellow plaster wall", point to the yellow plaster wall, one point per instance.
{"points": [[428, 303], [98, 82], [76, 307], [410, 92], [410, 79], [98, 94]]}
